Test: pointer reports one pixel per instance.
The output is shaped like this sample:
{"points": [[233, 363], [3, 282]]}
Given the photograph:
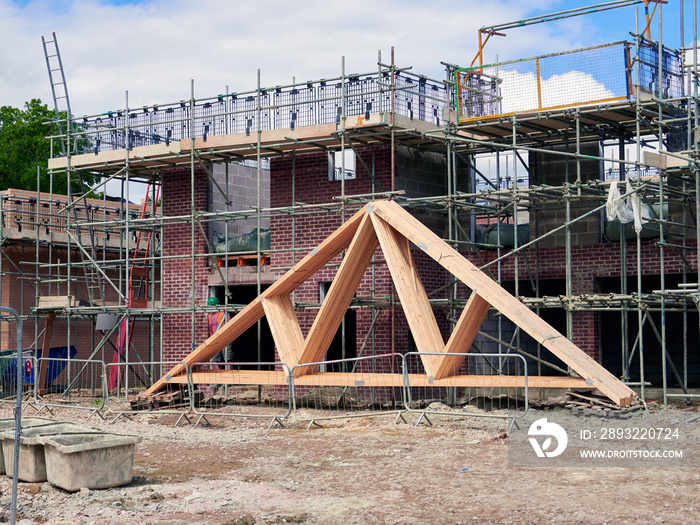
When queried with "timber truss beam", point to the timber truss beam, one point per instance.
{"points": [[387, 225]]}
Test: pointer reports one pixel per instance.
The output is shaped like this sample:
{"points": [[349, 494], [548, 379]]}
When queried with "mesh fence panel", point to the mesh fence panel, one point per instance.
{"points": [[363, 96], [472, 384], [244, 114], [580, 77], [361, 386], [71, 383], [210, 118], [420, 99], [127, 383], [241, 389], [294, 107], [330, 105], [8, 375], [671, 70]]}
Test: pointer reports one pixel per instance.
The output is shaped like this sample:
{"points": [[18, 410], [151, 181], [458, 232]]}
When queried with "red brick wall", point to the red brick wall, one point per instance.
{"points": [[177, 273], [312, 186], [588, 263]]}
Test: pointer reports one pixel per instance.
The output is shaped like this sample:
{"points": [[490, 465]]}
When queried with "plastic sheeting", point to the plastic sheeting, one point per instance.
{"points": [[626, 209], [248, 242]]}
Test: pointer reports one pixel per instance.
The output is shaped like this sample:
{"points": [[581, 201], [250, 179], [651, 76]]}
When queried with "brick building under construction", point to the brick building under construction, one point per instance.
{"points": [[524, 167]]}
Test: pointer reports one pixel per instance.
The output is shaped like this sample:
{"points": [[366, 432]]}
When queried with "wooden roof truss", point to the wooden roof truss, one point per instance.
{"points": [[386, 224]]}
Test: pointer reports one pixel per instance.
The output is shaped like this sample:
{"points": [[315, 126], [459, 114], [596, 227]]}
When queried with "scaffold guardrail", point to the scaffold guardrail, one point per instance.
{"points": [[593, 75], [282, 107]]}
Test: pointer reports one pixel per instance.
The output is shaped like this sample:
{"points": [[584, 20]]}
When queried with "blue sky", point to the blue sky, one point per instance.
{"points": [[153, 48]]}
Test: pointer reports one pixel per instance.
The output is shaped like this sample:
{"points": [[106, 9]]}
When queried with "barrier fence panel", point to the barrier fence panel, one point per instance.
{"points": [[126, 384], [361, 96], [359, 387], [8, 375], [471, 384], [7, 387], [17, 410], [69, 383], [242, 389], [244, 113], [294, 107], [671, 83]]}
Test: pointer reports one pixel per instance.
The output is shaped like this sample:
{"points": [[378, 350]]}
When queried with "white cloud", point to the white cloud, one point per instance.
{"points": [[519, 91]]}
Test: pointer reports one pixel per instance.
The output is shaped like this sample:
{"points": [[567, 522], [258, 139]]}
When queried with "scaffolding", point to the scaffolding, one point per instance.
{"points": [[491, 124]]}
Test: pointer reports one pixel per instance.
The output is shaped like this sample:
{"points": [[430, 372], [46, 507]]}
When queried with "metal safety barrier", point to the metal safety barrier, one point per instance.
{"points": [[8, 376], [471, 385], [18, 409], [69, 383], [250, 390], [345, 388], [127, 382]]}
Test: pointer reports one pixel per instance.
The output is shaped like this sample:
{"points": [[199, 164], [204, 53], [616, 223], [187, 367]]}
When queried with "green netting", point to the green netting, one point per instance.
{"points": [[247, 242]]}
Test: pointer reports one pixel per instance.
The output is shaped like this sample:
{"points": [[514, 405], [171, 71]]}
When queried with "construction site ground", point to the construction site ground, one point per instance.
{"points": [[357, 471]]}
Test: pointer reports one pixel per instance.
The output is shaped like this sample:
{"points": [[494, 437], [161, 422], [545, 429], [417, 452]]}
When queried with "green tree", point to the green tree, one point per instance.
{"points": [[24, 146]]}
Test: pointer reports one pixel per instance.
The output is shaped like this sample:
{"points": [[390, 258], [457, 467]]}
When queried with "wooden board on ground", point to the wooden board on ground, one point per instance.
{"points": [[162, 401]]}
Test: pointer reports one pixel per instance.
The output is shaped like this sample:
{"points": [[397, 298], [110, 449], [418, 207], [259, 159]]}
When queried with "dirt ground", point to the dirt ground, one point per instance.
{"points": [[357, 471]]}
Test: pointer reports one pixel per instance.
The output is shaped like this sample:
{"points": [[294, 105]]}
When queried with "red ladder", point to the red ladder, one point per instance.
{"points": [[136, 300]]}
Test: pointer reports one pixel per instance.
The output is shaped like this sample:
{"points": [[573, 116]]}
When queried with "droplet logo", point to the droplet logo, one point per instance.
{"points": [[542, 428]]}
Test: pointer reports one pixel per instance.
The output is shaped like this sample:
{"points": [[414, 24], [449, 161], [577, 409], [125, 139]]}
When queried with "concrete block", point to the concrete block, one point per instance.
{"points": [[27, 422], [92, 460], [32, 465], [580, 227], [583, 239]]}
